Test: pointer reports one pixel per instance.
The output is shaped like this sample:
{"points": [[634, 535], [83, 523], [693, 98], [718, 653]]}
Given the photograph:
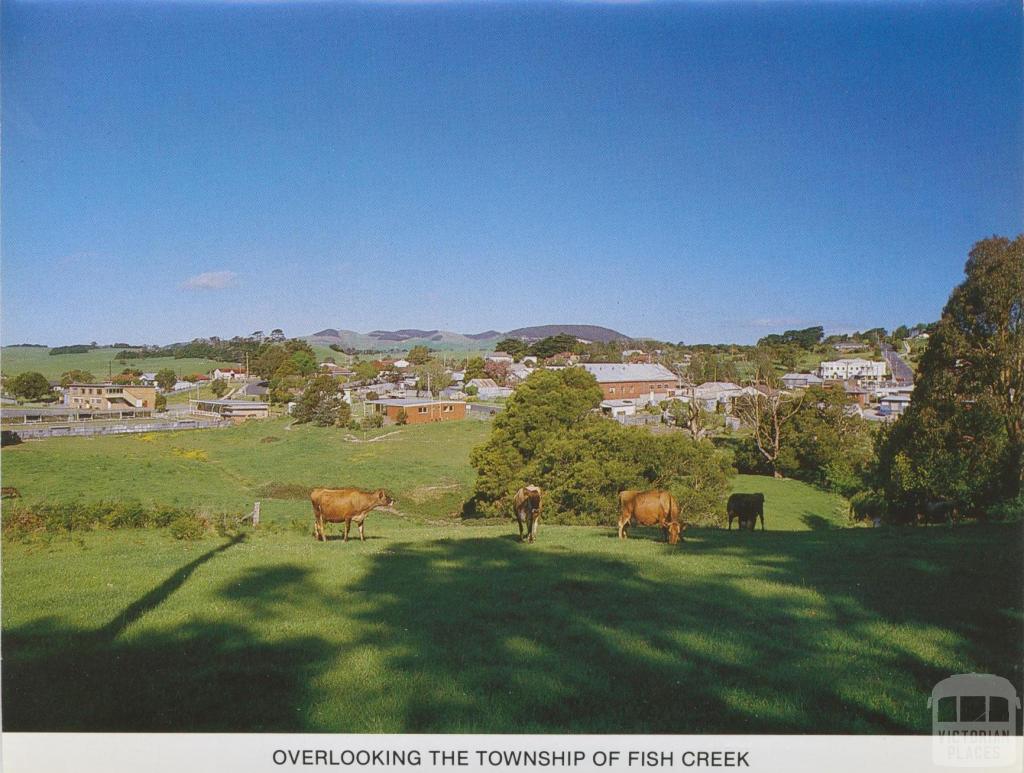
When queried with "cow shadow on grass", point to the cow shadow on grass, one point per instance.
{"points": [[484, 636]]}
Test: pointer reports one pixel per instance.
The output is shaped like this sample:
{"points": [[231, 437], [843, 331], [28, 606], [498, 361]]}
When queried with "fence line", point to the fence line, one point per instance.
{"points": [[43, 432]]}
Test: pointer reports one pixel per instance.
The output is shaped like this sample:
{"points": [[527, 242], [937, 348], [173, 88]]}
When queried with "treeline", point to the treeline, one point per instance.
{"points": [[73, 349]]}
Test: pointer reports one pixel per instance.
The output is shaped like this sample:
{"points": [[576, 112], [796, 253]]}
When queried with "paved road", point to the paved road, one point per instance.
{"points": [[900, 370]]}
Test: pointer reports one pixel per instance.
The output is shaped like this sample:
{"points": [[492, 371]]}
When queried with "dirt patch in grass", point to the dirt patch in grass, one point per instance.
{"points": [[278, 490], [269, 439], [422, 494]]}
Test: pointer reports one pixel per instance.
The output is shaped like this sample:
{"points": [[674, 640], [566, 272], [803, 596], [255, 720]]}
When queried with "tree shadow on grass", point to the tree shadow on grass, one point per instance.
{"points": [[204, 675], [839, 631], [816, 522], [483, 636]]}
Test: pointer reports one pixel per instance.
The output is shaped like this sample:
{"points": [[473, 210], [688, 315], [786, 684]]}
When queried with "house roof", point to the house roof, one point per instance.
{"points": [[483, 383], [493, 355], [233, 403], [810, 378], [411, 401], [619, 372]]}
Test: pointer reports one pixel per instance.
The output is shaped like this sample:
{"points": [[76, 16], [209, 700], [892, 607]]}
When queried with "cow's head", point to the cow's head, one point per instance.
{"points": [[384, 498], [674, 531]]}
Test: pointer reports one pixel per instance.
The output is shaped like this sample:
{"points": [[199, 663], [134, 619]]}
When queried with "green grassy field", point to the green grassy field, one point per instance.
{"points": [[18, 359], [436, 625]]}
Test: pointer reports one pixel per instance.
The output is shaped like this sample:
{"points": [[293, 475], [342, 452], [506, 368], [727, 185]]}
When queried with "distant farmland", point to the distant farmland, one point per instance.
{"points": [[17, 359]]}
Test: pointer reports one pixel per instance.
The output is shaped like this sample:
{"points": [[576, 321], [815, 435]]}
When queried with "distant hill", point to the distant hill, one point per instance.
{"points": [[406, 338], [586, 332]]}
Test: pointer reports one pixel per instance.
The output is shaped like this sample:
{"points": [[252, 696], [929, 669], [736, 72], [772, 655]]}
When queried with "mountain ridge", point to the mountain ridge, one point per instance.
{"points": [[406, 338]]}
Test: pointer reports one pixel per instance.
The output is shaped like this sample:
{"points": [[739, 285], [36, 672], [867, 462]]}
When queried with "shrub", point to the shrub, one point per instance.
{"points": [[1007, 510], [126, 514], [188, 526], [402, 417]]}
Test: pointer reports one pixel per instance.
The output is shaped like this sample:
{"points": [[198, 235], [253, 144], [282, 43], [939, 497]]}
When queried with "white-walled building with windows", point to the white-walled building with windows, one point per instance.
{"points": [[852, 368]]}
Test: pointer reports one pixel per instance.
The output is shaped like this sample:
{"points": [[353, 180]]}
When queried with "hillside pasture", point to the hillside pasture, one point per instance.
{"points": [[99, 362], [435, 624]]}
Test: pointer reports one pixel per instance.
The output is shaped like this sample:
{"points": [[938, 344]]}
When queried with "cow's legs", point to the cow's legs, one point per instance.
{"points": [[533, 527], [519, 523], [729, 527], [348, 525], [622, 529], [361, 537]]}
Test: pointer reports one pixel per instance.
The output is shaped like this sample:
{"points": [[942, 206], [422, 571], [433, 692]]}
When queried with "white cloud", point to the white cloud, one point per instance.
{"points": [[211, 280]]}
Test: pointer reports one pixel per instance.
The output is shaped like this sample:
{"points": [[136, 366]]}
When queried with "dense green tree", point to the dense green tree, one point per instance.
{"points": [[475, 368], [29, 385], [552, 345], [805, 339], [166, 379], [545, 404], [514, 346], [219, 387], [366, 371], [321, 403], [418, 355], [963, 435], [827, 444], [434, 374]]}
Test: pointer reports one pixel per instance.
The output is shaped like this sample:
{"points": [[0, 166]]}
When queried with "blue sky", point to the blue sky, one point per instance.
{"points": [[687, 171]]}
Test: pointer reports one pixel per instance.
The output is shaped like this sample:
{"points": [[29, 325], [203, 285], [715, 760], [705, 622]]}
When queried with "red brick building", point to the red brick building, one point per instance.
{"points": [[419, 410]]}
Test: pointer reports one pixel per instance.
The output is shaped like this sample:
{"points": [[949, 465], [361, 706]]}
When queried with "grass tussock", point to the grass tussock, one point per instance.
{"points": [[195, 454], [270, 439]]}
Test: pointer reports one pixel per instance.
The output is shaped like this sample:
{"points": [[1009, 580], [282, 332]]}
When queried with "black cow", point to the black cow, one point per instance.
{"points": [[938, 511], [746, 508]]}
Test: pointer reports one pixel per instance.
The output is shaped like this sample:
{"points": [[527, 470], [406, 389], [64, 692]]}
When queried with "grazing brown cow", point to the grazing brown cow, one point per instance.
{"points": [[650, 508], [9, 492], [333, 505], [526, 506]]}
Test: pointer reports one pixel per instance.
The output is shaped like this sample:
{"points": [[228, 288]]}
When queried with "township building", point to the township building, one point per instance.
{"points": [[642, 382], [801, 380], [229, 374], [109, 397], [236, 410], [841, 370], [419, 410]]}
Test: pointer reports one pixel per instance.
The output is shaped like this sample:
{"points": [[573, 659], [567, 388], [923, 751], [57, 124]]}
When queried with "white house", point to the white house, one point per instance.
{"points": [[229, 374], [500, 357], [852, 368], [616, 408], [401, 364]]}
